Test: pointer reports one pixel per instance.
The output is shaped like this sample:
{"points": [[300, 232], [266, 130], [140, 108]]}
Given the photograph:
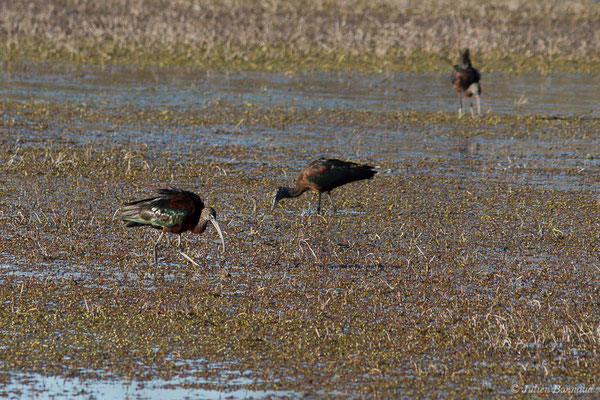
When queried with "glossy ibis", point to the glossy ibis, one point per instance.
{"points": [[465, 80], [175, 211], [323, 175]]}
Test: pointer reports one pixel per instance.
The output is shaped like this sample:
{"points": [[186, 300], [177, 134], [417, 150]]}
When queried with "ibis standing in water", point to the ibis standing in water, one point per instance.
{"points": [[174, 211], [465, 80], [322, 176]]}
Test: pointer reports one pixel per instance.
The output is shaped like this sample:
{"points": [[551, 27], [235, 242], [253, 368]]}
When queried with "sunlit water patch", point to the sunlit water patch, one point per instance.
{"points": [[55, 387], [554, 94]]}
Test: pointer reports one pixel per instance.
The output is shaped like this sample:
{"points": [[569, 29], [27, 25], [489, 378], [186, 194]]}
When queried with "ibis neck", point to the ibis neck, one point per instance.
{"points": [[201, 227], [465, 62], [295, 191]]}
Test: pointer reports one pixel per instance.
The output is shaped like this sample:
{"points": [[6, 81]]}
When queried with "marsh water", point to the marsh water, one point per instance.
{"points": [[55, 387], [538, 160], [551, 95]]}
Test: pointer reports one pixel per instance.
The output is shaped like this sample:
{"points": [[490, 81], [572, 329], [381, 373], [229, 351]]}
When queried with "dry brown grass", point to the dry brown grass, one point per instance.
{"points": [[391, 34]]}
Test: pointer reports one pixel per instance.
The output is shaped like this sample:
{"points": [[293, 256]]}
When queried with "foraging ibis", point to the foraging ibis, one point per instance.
{"points": [[322, 176], [174, 211]]}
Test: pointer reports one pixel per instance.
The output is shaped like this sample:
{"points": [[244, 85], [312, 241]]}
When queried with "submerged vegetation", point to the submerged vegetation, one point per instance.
{"points": [[469, 270], [392, 35]]}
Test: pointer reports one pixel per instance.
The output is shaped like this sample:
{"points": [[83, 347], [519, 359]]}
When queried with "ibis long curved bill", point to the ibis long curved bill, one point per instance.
{"points": [[279, 194], [218, 228]]}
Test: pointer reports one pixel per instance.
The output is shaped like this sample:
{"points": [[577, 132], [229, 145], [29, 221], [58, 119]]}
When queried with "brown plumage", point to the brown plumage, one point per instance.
{"points": [[465, 80], [322, 176], [175, 211]]}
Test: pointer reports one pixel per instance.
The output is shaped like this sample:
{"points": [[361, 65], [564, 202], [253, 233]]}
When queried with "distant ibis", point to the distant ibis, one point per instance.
{"points": [[465, 80], [322, 176], [174, 211]]}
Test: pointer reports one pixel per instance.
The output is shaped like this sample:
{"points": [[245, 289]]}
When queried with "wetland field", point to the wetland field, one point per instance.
{"points": [[467, 267]]}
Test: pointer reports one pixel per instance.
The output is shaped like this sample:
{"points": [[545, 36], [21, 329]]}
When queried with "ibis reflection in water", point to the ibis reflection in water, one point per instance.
{"points": [[322, 176], [174, 211], [465, 80]]}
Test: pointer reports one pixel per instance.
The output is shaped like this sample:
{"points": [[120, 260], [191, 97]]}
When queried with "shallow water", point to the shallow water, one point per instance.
{"points": [[554, 94], [551, 95], [56, 387]]}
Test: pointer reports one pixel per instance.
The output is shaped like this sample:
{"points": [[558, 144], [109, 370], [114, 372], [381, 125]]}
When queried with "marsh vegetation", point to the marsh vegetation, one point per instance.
{"points": [[468, 265], [390, 35]]}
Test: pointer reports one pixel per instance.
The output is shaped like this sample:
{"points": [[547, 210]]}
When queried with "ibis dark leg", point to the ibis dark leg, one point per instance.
{"points": [[156, 246], [332, 203], [319, 204]]}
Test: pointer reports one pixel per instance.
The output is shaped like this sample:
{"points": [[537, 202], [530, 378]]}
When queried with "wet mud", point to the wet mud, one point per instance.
{"points": [[468, 265]]}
